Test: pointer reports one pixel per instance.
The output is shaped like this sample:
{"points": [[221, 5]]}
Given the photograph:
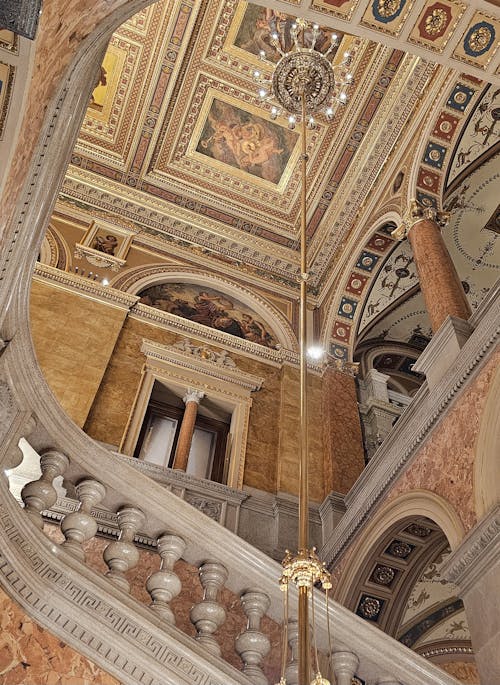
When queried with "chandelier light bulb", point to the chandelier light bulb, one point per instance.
{"points": [[262, 93], [274, 112], [256, 74], [334, 37], [262, 54], [329, 113], [348, 78], [311, 123], [315, 352], [274, 35], [315, 27], [343, 98]]}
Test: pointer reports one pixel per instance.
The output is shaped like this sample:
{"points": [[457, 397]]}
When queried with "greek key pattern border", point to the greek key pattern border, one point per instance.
{"points": [[157, 648]]}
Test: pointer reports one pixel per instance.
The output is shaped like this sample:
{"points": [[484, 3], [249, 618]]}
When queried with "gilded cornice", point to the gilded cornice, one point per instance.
{"points": [[85, 287], [187, 355]]}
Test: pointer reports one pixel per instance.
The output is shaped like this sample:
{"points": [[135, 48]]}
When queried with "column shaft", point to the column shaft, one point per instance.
{"points": [[441, 287], [185, 438]]}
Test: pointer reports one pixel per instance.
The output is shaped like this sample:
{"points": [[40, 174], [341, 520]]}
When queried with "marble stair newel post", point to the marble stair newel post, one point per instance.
{"points": [[345, 665], [191, 399], [80, 526], [208, 615], [442, 290], [252, 645], [121, 555], [292, 670], [39, 495], [165, 584]]}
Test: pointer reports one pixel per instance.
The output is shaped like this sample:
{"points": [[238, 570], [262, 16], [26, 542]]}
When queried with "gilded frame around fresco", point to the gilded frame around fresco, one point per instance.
{"points": [[213, 94]]}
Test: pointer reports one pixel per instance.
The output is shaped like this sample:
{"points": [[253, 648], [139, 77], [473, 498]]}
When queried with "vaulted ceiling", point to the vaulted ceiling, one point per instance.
{"points": [[177, 147]]}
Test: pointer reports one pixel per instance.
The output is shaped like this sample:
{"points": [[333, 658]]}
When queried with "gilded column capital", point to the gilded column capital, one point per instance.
{"points": [[349, 368], [193, 395], [417, 212]]}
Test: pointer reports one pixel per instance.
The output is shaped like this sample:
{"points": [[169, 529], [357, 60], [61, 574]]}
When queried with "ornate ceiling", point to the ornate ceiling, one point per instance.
{"points": [[177, 149]]}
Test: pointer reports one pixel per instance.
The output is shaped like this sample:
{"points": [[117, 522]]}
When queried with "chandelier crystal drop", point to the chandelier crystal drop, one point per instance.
{"points": [[304, 83]]}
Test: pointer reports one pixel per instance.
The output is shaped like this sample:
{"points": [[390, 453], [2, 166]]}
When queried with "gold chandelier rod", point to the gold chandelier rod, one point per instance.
{"points": [[303, 606]]}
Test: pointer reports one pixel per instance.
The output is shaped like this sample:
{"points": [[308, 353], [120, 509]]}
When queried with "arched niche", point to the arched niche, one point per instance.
{"points": [[417, 503], [138, 279]]}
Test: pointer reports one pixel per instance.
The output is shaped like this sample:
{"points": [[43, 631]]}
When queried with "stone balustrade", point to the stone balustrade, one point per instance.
{"points": [[231, 569]]}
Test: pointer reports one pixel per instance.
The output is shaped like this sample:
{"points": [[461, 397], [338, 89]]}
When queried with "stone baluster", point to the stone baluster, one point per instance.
{"points": [[252, 645], [292, 670], [40, 494], [164, 585], [80, 525], [345, 665], [209, 615], [122, 555]]}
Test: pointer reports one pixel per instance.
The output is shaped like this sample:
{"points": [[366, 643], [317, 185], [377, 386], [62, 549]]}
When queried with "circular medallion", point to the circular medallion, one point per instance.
{"points": [[303, 72], [479, 39]]}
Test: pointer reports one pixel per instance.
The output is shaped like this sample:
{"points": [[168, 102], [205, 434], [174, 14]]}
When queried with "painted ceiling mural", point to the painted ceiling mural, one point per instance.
{"points": [[177, 146], [433, 611]]}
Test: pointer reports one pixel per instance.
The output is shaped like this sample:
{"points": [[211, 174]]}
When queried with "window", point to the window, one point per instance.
{"points": [[157, 441]]}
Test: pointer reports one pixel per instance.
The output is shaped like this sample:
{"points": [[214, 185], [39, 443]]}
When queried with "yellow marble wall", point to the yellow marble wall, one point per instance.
{"points": [[91, 357], [30, 655], [74, 338], [289, 435]]}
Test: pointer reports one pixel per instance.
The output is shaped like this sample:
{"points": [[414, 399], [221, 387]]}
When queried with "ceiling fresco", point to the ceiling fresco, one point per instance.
{"points": [[177, 149]]}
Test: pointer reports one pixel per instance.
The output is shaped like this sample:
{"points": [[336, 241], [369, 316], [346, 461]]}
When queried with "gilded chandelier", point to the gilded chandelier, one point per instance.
{"points": [[304, 83]]}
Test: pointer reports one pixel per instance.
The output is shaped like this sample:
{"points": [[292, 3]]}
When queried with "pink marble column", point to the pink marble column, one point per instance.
{"points": [[191, 399], [439, 282]]}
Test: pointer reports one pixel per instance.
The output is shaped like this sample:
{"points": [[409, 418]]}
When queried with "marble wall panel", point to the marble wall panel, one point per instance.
{"points": [[74, 338], [343, 442], [191, 594], [30, 655], [465, 671], [445, 463]]}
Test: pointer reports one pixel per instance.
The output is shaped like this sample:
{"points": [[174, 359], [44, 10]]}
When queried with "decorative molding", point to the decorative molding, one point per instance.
{"points": [[478, 554], [84, 286], [215, 365], [412, 429], [418, 212], [99, 259]]}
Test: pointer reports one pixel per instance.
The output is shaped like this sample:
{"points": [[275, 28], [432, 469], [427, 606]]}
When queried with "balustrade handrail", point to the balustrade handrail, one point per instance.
{"points": [[247, 567]]}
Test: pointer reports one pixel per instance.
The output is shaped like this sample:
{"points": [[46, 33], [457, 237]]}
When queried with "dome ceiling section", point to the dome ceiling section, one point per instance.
{"points": [[406, 322], [478, 139], [397, 276]]}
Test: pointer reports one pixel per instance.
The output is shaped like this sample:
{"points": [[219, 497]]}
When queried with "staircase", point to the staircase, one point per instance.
{"points": [[98, 615]]}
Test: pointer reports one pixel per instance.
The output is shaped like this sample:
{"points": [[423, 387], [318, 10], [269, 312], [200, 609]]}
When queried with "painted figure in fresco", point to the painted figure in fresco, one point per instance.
{"points": [[228, 324], [242, 141], [106, 244], [102, 81], [253, 330], [208, 308]]}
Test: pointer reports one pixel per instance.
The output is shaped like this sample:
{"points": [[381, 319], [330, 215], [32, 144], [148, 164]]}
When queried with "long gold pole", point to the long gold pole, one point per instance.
{"points": [[303, 622]]}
